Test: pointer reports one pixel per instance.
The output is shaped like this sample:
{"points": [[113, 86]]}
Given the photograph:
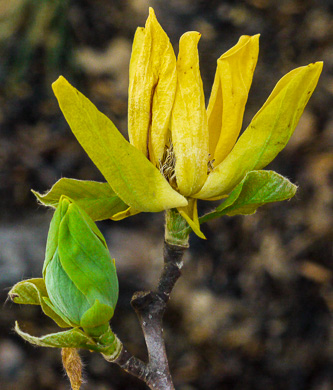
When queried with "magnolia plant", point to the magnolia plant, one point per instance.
{"points": [[178, 152]]}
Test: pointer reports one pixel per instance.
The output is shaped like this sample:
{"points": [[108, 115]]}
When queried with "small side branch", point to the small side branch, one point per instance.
{"points": [[150, 307], [132, 365]]}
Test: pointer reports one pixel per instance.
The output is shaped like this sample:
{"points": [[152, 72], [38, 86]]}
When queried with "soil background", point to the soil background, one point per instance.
{"points": [[253, 308]]}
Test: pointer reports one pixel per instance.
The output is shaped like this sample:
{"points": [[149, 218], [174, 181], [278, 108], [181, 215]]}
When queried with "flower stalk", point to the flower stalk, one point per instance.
{"points": [[176, 229], [150, 307]]}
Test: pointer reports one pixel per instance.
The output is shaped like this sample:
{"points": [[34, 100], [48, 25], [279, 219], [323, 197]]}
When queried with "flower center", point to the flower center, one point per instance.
{"points": [[210, 165], [167, 165]]}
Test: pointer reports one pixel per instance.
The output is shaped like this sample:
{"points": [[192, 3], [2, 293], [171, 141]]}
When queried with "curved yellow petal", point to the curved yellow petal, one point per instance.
{"points": [[229, 94], [152, 88], [190, 214], [189, 129], [124, 214], [131, 176], [268, 132]]}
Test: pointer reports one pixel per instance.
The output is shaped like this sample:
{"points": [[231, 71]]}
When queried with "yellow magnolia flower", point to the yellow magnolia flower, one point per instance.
{"points": [[179, 151]]}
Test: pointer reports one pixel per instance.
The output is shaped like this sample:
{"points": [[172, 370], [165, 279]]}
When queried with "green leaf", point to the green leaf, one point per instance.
{"points": [[28, 292], [33, 292], [130, 174], [73, 338], [256, 189], [98, 200]]}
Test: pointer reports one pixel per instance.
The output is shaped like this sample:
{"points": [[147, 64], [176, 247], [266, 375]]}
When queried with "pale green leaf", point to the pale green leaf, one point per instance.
{"points": [[73, 338], [256, 189], [33, 292], [28, 292], [130, 174], [98, 200]]}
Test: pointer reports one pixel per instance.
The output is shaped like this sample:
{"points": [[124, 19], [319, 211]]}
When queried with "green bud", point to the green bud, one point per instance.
{"points": [[80, 276]]}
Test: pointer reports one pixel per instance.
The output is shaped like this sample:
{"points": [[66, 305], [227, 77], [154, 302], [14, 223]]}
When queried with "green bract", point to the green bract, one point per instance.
{"points": [[80, 276], [79, 287]]}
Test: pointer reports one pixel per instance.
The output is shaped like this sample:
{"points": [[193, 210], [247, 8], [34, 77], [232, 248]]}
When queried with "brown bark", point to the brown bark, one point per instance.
{"points": [[150, 307]]}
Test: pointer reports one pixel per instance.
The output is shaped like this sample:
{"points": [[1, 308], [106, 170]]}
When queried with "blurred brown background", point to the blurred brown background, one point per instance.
{"points": [[252, 310]]}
